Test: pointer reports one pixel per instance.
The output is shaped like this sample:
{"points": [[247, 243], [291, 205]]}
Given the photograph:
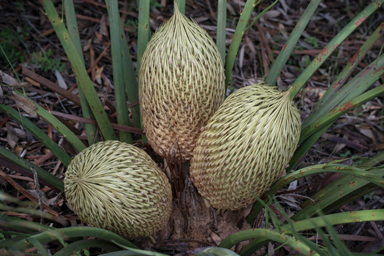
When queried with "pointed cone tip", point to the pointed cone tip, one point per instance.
{"points": [[176, 6]]}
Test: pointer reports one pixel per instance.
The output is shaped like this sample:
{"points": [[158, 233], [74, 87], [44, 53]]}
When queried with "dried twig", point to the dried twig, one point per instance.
{"points": [[41, 80], [90, 121], [16, 185], [39, 193]]}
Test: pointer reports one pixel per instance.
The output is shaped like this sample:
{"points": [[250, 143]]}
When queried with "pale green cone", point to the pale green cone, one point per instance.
{"points": [[181, 83], [117, 186], [245, 146]]}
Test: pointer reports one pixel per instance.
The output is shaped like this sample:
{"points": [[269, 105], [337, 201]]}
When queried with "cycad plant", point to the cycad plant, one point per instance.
{"points": [[345, 93]]}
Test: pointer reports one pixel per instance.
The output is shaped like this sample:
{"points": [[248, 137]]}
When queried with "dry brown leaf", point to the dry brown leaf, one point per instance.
{"points": [[216, 238], [11, 136], [98, 39], [98, 74], [87, 45], [340, 146], [271, 14], [291, 201], [73, 223], [284, 5], [293, 185], [20, 133], [60, 80], [366, 131], [328, 17], [251, 46], [241, 55], [271, 249], [231, 10], [24, 104], [7, 79], [103, 26]]}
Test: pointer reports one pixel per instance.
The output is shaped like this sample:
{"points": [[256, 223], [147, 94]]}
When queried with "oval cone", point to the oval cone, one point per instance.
{"points": [[245, 146], [116, 186]]}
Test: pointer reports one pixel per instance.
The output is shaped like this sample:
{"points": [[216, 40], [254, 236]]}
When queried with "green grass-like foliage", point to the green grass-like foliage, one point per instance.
{"points": [[47, 62], [8, 41], [117, 64], [73, 31]]}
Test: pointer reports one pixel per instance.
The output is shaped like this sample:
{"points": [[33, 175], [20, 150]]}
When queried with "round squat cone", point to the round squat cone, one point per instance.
{"points": [[182, 84], [116, 186], [245, 146]]}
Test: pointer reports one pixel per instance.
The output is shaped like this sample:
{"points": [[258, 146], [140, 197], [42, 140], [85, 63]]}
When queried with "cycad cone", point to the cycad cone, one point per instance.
{"points": [[117, 186], [182, 85], [245, 146]]}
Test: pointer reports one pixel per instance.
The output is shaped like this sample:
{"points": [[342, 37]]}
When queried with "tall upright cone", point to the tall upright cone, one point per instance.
{"points": [[182, 84], [245, 146]]}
